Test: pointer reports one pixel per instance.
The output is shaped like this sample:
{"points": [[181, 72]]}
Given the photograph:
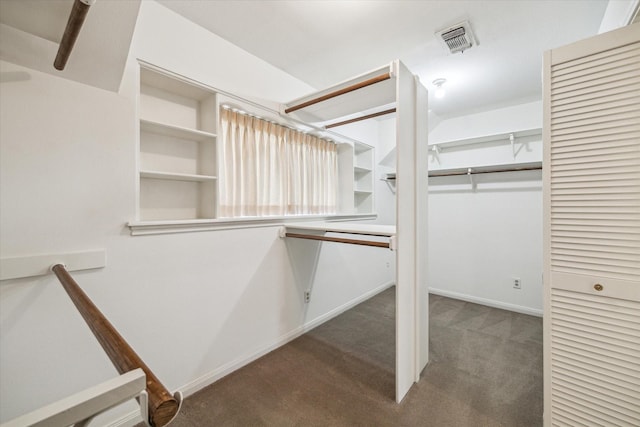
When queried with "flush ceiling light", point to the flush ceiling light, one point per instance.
{"points": [[438, 83]]}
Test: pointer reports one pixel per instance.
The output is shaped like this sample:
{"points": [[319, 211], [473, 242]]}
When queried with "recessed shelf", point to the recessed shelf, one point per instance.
{"points": [[360, 169], [176, 176], [361, 148], [176, 131], [363, 177], [177, 148]]}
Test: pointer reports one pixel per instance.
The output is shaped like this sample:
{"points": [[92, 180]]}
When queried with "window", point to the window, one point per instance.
{"points": [[267, 169]]}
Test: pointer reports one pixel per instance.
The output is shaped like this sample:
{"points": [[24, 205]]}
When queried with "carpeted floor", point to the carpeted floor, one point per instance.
{"points": [[485, 369]]}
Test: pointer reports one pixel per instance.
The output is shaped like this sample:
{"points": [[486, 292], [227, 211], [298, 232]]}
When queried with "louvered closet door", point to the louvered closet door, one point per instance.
{"points": [[592, 232]]}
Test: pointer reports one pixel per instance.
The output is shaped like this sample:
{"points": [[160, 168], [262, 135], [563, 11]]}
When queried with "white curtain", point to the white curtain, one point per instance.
{"points": [[270, 170]]}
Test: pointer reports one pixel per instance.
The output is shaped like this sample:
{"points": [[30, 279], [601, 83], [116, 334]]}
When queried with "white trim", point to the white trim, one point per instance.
{"points": [[82, 407], [40, 265], [206, 380], [142, 228], [344, 307], [488, 302]]}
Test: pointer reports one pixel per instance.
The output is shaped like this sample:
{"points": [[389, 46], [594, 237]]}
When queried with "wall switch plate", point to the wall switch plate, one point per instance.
{"points": [[517, 284], [307, 296]]}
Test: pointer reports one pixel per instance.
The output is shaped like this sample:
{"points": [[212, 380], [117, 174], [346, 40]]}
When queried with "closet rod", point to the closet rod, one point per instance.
{"points": [[77, 16], [356, 86], [162, 405], [435, 174], [357, 119], [338, 240]]}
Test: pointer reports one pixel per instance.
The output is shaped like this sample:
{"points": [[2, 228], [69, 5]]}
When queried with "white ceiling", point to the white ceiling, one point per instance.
{"points": [[325, 42]]}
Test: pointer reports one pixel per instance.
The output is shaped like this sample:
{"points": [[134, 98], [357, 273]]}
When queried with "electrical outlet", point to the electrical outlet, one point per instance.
{"points": [[307, 296], [516, 283]]}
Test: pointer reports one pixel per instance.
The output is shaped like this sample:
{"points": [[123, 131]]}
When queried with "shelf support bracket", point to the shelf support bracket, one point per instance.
{"points": [[435, 154], [513, 147], [470, 175]]}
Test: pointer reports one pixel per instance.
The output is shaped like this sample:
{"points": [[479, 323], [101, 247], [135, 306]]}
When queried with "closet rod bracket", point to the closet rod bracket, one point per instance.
{"points": [[470, 173], [144, 406], [393, 243], [512, 140]]}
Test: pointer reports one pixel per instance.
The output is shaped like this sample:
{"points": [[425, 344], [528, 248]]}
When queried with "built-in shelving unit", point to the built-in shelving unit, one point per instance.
{"points": [[178, 159], [363, 178], [177, 149]]}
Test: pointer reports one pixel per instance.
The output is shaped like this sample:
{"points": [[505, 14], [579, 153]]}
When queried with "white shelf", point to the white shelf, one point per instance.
{"points": [[337, 227], [360, 169], [360, 148], [362, 192], [498, 137], [177, 176], [176, 131], [332, 108]]}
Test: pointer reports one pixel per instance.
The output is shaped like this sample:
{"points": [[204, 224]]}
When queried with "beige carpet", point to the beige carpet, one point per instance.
{"points": [[485, 369]]}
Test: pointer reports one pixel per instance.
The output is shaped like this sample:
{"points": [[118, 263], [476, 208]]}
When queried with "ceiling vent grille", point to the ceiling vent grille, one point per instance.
{"points": [[457, 38]]}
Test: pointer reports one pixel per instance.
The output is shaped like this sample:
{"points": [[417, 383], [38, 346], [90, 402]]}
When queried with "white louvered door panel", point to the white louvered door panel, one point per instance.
{"points": [[592, 232]]}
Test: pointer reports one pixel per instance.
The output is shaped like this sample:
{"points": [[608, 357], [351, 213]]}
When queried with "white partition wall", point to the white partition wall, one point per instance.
{"points": [[592, 231], [411, 193], [394, 84], [421, 183]]}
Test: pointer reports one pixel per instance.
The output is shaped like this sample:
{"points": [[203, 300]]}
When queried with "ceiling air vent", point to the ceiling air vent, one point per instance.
{"points": [[457, 38]]}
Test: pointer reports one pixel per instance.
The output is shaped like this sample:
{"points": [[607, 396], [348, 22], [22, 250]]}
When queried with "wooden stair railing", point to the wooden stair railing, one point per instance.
{"points": [[163, 407]]}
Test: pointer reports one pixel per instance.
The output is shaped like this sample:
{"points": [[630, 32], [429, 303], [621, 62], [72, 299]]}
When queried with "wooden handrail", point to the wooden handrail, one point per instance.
{"points": [[356, 86], [358, 119], [338, 240], [162, 405], [74, 24]]}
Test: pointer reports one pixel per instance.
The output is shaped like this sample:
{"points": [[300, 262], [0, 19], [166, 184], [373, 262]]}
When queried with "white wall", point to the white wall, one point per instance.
{"points": [[481, 239], [194, 305], [500, 120]]}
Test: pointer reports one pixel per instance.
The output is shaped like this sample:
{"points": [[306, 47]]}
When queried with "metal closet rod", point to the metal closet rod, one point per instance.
{"points": [[163, 407], [358, 119], [340, 239], [353, 87], [470, 171]]}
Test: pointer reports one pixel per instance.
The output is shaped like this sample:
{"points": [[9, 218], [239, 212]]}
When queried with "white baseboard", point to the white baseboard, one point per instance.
{"points": [[199, 383], [344, 307], [489, 302], [130, 420]]}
